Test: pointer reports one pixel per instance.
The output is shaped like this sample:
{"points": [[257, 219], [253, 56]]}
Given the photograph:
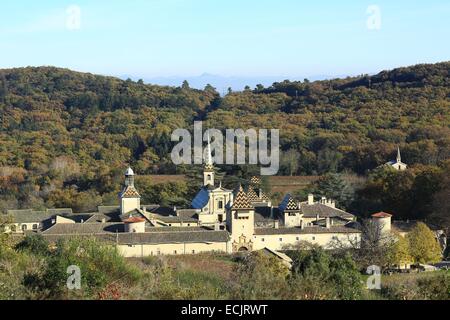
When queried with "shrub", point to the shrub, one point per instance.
{"points": [[101, 266]]}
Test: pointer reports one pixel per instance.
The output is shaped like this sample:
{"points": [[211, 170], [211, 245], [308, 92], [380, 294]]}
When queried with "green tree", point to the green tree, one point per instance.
{"points": [[424, 248]]}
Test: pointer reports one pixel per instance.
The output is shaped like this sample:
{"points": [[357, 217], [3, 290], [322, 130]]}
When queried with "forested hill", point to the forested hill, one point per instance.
{"points": [[87, 126]]}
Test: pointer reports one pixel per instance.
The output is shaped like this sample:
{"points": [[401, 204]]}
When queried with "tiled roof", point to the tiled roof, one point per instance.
{"points": [[129, 192], [173, 237], [29, 216], [262, 196], [288, 203], [108, 209], [255, 180], [83, 228], [382, 215], [60, 211], [241, 200], [175, 219], [264, 214], [252, 196], [306, 230], [324, 211], [99, 217], [201, 199], [148, 237], [134, 220], [178, 229], [187, 213]]}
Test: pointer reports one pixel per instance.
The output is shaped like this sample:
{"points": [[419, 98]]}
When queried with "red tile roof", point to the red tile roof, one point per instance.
{"points": [[382, 215], [134, 220]]}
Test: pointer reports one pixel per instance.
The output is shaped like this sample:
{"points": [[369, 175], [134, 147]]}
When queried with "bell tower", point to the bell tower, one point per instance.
{"points": [[241, 222], [208, 170], [129, 197]]}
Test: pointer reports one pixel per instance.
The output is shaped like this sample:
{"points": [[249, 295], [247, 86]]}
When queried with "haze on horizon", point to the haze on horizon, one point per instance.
{"points": [[232, 42]]}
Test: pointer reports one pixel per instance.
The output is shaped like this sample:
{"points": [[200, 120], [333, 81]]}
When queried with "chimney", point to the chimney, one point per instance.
{"points": [[310, 199], [276, 224], [333, 204], [323, 201], [328, 223], [82, 221], [302, 225], [103, 220], [317, 217]]}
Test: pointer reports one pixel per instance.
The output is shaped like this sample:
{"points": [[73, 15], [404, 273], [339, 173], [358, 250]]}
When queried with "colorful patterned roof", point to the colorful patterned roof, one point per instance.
{"points": [[255, 180], [262, 196], [288, 203], [129, 192], [252, 196], [241, 200]]}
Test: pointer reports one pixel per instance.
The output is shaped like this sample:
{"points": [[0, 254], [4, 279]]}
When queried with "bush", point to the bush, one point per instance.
{"points": [[35, 244], [316, 274], [259, 277], [101, 266]]}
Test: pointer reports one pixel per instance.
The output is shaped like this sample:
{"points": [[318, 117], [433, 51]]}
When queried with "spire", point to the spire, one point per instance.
{"points": [[208, 159], [399, 157], [129, 177], [208, 170]]}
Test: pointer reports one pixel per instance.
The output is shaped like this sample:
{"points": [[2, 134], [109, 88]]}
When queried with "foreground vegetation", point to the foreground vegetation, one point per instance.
{"points": [[33, 270]]}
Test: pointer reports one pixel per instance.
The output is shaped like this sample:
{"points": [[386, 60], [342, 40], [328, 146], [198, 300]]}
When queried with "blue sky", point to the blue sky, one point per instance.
{"points": [[288, 38]]}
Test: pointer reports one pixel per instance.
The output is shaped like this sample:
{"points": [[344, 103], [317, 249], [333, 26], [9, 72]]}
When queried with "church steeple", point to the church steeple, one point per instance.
{"points": [[208, 170], [129, 197], [399, 157]]}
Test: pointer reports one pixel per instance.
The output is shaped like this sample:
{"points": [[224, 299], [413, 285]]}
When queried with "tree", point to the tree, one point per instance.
{"points": [[333, 186], [316, 274], [424, 247], [399, 253], [289, 162], [185, 85], [259, 276]]}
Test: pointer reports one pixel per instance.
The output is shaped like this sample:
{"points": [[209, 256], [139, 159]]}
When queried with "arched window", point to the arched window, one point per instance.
{"points": [[24, 227], [209, 177]]}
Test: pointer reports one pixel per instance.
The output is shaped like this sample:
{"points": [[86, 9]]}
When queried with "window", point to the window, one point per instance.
{"points": [[209, 177], [193, 251], [262, 239], [281, 239], [314, 238], [189, 224], [24, 227], [298, 238], [220, 205], [170, 224], [35, 226], [174, 251], [334, 238]]}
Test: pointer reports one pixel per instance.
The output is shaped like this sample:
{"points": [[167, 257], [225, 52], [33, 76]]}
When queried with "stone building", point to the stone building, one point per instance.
{"points": [[220, 220]]}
